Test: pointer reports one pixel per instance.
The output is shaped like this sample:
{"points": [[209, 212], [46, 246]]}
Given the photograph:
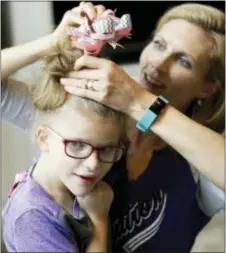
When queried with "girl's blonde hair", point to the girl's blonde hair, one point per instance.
{"points": [[212, 21], [49, 96]]}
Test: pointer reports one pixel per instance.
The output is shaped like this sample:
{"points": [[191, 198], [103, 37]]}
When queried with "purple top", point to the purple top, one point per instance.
{"points": [[157, 212], [33, 222]]}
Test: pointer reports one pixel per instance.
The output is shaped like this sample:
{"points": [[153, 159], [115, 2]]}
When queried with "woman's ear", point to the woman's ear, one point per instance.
{"points": [[209, 89], [41, 138]]}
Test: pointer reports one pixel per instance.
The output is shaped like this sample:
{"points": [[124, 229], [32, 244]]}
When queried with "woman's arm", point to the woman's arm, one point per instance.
{"points": [[26, 54], [202, 147], [15, 103], [36, 50], [16, 106]]}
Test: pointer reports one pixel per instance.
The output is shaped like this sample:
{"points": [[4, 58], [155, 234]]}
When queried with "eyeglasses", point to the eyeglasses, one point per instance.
{"points": [[80, 150]]}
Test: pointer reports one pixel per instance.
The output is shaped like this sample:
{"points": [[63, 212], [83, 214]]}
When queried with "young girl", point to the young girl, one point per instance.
{"points": [[79, 141]]}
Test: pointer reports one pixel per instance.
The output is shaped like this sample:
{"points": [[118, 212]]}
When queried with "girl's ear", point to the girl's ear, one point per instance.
{"points": [[41, 138]]}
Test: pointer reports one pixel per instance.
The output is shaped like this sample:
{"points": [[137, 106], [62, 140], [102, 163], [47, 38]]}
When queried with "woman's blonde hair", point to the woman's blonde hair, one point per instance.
{"points": [[212, 21], [49, 96]]}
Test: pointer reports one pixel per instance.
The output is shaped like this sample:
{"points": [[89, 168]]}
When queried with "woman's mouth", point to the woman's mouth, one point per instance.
{"points": [[150, 83]]}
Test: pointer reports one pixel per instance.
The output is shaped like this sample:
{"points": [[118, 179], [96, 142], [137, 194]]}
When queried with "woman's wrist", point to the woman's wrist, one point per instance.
{"points": [[140, 104], [26, 54], [40, 48], [44, 46]]}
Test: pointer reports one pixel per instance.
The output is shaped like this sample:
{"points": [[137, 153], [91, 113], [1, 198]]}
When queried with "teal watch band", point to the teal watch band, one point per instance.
{"points": [[150, 115]]}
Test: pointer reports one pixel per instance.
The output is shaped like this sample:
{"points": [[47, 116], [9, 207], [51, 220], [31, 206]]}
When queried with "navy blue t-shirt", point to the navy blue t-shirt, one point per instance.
{"points": [[158, 212]]}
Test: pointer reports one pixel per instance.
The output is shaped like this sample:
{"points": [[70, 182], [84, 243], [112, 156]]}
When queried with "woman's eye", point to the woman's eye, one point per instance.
{"points": [[159, 45], [185, 62]]}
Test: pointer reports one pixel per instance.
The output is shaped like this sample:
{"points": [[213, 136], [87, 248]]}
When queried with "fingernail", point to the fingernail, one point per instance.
{"points": [[63, 80], [92, 17], [69, 89]]}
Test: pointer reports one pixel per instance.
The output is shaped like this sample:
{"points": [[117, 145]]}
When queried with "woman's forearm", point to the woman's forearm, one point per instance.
{"points": [[17, 57], [200, 146]]}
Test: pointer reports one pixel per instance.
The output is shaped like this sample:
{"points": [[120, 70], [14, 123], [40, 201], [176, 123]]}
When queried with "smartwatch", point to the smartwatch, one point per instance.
{"points": [[151, 114]]}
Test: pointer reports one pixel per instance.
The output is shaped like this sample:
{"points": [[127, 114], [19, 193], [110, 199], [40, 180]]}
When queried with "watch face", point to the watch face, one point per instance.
{"points": [[151, 114], [158, 105], [146, 120]]}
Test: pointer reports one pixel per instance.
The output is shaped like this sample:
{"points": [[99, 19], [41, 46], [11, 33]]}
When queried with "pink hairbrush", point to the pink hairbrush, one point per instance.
{"points": [[92, 36]]}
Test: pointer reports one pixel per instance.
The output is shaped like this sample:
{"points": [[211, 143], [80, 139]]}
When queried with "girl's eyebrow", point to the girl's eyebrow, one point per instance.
{"points": [[104, 145]]}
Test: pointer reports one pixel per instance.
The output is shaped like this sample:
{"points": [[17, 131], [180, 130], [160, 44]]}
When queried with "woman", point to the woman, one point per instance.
{"points": [[66, 178], [164, 215], [177, 65], [193, 82]]}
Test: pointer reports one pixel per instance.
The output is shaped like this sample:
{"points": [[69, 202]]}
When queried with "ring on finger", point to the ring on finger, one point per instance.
{"points": [[89, 84]]}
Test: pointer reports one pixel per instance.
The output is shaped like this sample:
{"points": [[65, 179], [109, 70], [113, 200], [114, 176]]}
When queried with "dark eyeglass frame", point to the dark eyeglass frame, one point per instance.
{"points": [[93, 148]]}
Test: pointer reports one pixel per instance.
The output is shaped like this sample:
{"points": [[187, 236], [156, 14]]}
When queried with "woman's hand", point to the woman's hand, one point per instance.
{"points": [[104, 81], [36, 50], [75, 17]]}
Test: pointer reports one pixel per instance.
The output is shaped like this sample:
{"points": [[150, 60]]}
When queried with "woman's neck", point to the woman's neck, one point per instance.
{"points": [[142, 142], [44, 175], [140, 150]]}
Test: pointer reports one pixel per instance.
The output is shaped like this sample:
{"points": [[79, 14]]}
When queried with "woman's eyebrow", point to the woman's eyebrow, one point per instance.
{"points": [[179, 52], [160, 37]]}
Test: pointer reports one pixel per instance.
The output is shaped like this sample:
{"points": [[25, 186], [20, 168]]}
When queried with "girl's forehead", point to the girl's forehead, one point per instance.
{"points": [[88, 126]]}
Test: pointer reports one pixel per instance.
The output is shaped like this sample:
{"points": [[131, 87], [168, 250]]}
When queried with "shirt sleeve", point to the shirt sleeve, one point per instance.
{"points": [[35, 232], [209, 196], [16, 106]]}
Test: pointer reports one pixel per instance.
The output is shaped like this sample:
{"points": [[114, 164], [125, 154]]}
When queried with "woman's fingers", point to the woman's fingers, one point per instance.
{"points": [[84, 84], [91, 62], [92, 74], [88, 9], [72, 19], [99, 9], [91, 94], [74, 83], [103, 81], [75, 16]]}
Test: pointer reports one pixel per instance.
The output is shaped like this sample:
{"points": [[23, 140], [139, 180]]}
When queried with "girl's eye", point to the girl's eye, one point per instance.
{"points": [[78, 145]]}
